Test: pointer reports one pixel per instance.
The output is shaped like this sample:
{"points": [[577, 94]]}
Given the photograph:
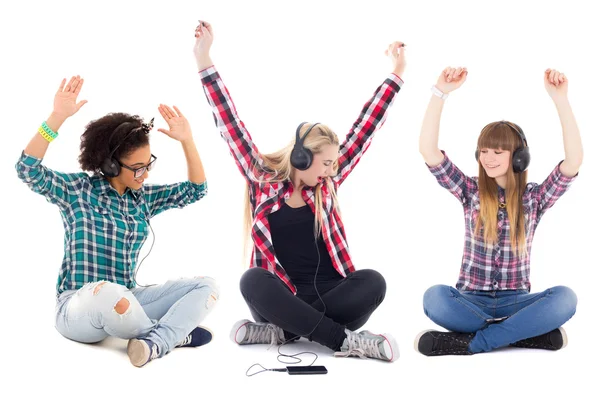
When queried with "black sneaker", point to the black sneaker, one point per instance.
{"points": [[553, 340], [198, 337], [434, 343]]}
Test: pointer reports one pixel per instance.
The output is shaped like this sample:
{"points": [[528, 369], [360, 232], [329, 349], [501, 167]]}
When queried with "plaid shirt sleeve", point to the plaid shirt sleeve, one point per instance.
{"points": [[554, 186], [450, 177], [58, 188], [371, 118], [177, 195], [232, 129]]}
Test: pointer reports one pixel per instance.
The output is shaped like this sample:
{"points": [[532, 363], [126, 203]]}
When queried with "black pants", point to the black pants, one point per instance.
{"points": [[349, 304]]}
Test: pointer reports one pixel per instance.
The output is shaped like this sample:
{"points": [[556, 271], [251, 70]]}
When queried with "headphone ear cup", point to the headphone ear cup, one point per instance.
{"points": [[521, 159], [110, 168], [301, 158], [477, 155]]}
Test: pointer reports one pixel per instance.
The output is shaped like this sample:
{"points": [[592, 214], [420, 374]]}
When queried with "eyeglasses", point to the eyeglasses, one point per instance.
{"points": [[138, 172]]}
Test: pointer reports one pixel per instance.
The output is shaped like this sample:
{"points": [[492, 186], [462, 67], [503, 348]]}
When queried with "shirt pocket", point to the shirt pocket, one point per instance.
{"points": [[102, 219]]}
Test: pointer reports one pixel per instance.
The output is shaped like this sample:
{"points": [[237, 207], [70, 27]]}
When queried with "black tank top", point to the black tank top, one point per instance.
{"points": [[292, 232]]}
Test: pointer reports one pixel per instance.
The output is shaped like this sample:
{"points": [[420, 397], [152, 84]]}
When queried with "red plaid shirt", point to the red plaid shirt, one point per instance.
{"points": [[268, 197], [495, 267]]}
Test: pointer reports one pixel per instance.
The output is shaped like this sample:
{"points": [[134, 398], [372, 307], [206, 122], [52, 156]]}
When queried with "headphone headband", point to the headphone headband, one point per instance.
{"points": [[301, 141], [517, 129], [145, 127]]}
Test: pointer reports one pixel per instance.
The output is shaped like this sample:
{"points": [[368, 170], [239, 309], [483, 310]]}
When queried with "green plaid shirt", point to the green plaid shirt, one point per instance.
{"points": [[104, 231]]}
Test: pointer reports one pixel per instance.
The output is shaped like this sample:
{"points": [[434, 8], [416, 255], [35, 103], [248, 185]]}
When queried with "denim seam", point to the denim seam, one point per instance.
{"points": [[463, 303], [194, 286], [538, 300], [515, 303]]}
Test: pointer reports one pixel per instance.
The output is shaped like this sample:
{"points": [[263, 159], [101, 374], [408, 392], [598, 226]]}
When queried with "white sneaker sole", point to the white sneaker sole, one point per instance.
{"points": [[563, 332], [418, 337], [392, 351], [238, 332], [138, 352]]}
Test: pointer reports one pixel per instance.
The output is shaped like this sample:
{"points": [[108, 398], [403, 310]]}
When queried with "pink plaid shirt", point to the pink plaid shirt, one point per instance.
{"points": [[495, 267], [270, 197]]}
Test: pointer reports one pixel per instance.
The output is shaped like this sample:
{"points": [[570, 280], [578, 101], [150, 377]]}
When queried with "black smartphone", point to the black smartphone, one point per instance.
{"points": [[307, 370]]}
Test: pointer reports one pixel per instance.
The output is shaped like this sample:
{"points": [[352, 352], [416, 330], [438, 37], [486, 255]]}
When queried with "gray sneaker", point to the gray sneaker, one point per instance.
{"points": [[369, 345], [248, 332]]}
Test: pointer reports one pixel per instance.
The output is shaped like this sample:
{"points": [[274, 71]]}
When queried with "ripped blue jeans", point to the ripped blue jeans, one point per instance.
{"points": [[164, 314]]}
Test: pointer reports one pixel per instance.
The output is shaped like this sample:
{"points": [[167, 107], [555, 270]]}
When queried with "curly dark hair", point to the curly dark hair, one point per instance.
{"points": [[102, 135]]}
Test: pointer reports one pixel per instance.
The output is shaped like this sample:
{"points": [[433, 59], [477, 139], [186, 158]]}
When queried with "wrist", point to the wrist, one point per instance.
{"points": [[187, 142], [561, 99], [55, 120], [436, 91], [203, 62], [398, 72]]}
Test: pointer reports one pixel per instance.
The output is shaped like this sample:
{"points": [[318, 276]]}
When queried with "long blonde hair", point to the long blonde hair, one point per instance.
{"points": [[502, 135], [277, 167]]}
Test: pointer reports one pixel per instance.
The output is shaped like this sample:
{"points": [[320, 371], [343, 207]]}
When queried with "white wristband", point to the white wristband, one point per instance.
{"points": [[437, 92]]}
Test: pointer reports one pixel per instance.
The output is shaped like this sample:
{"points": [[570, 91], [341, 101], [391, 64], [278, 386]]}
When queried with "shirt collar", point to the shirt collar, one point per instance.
{"points": [[103, 187]]}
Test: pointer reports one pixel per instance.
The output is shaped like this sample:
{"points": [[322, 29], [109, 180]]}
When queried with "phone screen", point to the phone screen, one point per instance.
{"points": [[313, 369]]}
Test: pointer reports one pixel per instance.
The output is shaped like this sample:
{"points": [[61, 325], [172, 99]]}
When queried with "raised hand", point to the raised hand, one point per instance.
{"points": [[451, 79], [556, 83], [395, 52], [179, 127], [204, 39], [65, 100]]}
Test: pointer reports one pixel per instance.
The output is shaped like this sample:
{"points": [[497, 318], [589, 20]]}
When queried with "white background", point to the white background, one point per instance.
{"points": [[285, 63]]}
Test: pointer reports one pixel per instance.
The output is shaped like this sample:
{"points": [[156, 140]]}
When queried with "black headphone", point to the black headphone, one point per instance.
{"points": [[301, 157], [111, 167], [521, 156]]}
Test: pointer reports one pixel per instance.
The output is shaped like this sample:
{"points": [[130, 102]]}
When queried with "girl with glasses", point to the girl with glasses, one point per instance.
{"points": [[106, 218]]}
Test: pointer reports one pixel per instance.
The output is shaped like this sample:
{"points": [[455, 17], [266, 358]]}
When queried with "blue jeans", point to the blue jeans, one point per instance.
{"points": [[164, 314], [499, 318]]}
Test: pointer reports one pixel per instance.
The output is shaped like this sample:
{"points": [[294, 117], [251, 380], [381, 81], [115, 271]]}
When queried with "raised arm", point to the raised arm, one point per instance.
{"points": [[58, 188], [231, 127], [180, 130], [449, 80], [372, 115], [178, 195], [557, 85], [65, 105]]}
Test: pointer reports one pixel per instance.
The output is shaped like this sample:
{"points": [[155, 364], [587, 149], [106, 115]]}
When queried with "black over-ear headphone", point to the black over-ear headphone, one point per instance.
{"points": [[111, 167], [301, 157], [521, 156]]}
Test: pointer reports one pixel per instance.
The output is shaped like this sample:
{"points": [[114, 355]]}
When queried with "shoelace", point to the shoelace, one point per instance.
{"points": [[154, 352], [267, 333], [446, 341], [187, 340], [362, 346], [542, 342]]}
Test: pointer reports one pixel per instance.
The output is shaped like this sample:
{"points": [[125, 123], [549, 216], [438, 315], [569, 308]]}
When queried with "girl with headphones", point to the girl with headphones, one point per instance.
{"points": [[301, 280], [106, 219], [491, 305]]}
